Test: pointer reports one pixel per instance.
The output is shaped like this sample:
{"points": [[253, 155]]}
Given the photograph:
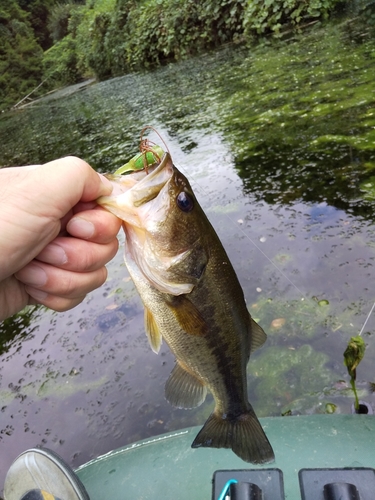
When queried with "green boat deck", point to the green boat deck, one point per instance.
{"points": [[166, 467]]}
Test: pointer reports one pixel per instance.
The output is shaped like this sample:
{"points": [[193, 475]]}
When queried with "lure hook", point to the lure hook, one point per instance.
{"points": [[146, 146]]}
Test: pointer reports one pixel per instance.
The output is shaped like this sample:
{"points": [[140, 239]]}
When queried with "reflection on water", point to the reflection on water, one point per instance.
{"points": [[277, 143], [17, 329]]}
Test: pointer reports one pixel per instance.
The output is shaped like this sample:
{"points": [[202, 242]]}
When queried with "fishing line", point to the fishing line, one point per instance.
{"points": [[246, 235], [268, 258], [368, 317]]}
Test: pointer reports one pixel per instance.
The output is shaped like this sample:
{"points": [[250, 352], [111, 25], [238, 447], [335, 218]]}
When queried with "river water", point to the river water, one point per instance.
{"points": [[279, 145]]}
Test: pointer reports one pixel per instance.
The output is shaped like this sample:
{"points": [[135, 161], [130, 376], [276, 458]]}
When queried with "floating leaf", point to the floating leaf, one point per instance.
{"points": [[354, 353], [331, 408], [323, 302]]}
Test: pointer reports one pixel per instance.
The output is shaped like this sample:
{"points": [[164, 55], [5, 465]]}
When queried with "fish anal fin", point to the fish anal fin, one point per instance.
{"points": [[258, 336], [183, 390], [243, 434], [188, 316], [152, 331]]}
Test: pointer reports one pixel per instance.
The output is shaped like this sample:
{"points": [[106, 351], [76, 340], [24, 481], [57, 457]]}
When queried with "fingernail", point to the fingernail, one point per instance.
{"points": [[107, 188], [35, 293], [53, 254], [80, 228], [32, 275]]}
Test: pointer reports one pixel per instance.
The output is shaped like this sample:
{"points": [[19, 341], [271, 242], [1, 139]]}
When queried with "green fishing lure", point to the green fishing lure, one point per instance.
{"points": [[142, 160]]}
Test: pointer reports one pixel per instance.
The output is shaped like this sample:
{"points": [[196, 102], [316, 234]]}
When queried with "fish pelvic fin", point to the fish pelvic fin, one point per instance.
{"points": [[257, 335], [183, 390], [243, 434], [152, 331]]}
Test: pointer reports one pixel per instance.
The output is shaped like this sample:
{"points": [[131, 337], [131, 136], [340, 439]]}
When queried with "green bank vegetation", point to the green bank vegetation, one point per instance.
{"points": [[61, 42]]}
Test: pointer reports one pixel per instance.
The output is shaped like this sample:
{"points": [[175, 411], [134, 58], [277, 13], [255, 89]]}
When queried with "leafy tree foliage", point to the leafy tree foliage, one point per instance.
{"points": [[38, 11], [159, 30], [118, 36], [59, 18], [107, 38], [61, 63], [20, 54], [262, 16]]}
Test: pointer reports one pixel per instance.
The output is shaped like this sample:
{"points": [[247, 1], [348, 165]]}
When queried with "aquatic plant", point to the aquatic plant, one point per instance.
{"points": [[333, 398], [353, 355], [279, 375], [17, 328]]}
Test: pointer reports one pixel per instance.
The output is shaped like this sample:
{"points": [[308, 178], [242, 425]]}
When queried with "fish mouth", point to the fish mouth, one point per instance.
{"points": [[134, 191]]}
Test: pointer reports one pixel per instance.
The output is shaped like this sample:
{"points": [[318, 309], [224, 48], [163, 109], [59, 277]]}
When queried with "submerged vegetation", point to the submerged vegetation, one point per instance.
{"points": [[59, 43], [353, 355]]}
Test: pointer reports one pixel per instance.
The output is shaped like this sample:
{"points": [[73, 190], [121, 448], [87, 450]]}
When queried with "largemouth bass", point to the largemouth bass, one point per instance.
{"points": [[192, 300]]}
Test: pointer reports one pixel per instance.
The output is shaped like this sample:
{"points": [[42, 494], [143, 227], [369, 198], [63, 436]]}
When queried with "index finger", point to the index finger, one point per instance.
{"points": [[67, 181]]}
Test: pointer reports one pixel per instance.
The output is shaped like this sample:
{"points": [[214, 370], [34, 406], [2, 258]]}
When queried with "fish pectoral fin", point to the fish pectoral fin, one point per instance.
{"points": [[257, 335], [183, 390], [188, 316], [152, 331], [243, 434]]}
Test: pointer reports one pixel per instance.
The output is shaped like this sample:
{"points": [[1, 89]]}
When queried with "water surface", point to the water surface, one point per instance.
{"points": [[278, 143]]}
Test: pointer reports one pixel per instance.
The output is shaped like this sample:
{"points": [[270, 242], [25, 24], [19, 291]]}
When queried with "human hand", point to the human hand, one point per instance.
{"points": [[54, 239]]}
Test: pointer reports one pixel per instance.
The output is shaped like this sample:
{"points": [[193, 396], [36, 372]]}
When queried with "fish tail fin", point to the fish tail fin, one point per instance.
{"points": [[243, 434]]}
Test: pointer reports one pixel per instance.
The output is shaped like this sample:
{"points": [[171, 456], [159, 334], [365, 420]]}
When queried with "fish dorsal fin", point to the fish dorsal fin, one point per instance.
{"points": [[152, 331], [183, 390], [188, 316], [258, 337]]}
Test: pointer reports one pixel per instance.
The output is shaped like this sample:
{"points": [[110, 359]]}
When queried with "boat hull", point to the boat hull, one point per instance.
{"points": [[167, 467]]}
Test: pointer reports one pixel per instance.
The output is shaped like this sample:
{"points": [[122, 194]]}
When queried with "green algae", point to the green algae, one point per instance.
{"points": [[52, 384], [304, 112], [281, 375], [61, 387], [336, 398], [303, 318]]}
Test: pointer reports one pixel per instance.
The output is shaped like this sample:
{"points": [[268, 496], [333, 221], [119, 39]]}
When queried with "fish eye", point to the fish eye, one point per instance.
{"points": [[184, 202]]}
